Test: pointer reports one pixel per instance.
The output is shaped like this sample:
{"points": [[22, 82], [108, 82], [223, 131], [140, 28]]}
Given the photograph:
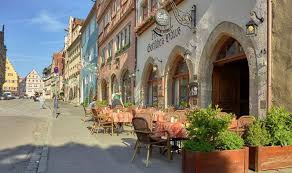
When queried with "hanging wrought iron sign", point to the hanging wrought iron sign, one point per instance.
{"points": [[184, 18], [163, 22]]}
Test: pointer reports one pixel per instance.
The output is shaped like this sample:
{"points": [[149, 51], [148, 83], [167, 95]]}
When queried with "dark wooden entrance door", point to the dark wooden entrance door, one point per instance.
{"points": [[226, 88]]}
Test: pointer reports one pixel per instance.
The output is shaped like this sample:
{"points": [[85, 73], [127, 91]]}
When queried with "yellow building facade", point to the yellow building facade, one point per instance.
{"points": [[11, 78]]}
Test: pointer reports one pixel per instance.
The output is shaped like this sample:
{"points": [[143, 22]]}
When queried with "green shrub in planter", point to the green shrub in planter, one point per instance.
{"points": [[278, 124], [202, 146], [257, 135], [229, 141], [208, 131]]}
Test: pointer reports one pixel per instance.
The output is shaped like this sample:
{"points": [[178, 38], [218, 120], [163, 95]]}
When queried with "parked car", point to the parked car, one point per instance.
{"points": [[8, 96], [1, 97]]}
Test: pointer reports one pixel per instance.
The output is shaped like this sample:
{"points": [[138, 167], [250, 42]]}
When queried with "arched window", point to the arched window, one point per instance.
{"points": [[152, 89], [230, 48], [126, 87], [114, 85], [180, 83], [104, 91]]}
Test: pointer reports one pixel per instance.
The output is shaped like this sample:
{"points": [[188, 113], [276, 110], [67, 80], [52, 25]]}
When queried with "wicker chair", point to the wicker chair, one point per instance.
{"points": [[243, 122], [101, 121], [146, 137], [148, 117], [87, 113]]}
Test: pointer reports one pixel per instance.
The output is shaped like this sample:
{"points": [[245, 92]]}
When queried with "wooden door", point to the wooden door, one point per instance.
{"points": [[226, 88]]}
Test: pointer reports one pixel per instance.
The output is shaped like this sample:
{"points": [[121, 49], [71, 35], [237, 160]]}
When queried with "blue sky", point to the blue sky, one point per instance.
{"points": [[34, 29]]}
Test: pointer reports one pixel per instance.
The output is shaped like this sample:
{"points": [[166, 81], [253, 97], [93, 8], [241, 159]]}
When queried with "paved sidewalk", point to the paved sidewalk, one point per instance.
{"points": [[72, 149]]}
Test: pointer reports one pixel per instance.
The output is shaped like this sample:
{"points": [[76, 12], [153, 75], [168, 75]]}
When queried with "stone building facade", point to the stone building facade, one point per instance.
{"points": [[189, 64], [72, 64], [281, 53], [11, 79], [116, 46], [3, 51], [89, 55], [33, 83]]}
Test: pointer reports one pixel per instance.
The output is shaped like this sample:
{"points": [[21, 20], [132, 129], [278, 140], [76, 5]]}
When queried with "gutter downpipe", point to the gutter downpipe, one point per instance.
{"points": [[269, 56]]}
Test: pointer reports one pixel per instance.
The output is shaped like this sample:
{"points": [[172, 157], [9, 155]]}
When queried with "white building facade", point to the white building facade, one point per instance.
{"points": [[190, 64], [33, 83]]}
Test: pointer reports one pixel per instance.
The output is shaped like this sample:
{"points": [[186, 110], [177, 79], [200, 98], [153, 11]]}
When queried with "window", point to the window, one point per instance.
{"points": [[10, 74], [122, 39], [126, 87], [103, 55], [118, 3], [109, 15], [114, 7], [115, 86], [230, 48], [152, 90], [145, 10], [180, 83], [110, 47], [126, 36], [129, 34], [118, 42], [153, 5]]}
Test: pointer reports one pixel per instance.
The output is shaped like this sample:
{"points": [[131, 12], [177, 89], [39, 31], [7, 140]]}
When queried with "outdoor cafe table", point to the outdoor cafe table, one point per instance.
{"points": [[121, 117], [176, 130], [159, 116]]}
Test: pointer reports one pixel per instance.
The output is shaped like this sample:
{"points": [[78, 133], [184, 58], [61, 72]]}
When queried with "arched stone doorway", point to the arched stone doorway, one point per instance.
{"points": [[104, 91], [209, 55], [230, 78]]}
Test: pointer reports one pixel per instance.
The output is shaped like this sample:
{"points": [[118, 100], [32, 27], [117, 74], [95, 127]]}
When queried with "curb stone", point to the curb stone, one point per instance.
{"points": [[39, 157]]}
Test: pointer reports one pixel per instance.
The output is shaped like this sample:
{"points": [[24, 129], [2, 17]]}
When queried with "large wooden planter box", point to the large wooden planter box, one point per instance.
{"points": [[229, 161], [270, 157]]}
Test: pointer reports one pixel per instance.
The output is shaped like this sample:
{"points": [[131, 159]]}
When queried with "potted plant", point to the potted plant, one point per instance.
{"points": [[270, 141], [211, 147]]}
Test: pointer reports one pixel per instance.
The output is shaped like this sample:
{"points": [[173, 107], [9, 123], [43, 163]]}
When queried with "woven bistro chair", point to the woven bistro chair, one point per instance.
{"points": [[148, 117], [146, 137], [101, 121], [87, 113], [243, 122]]}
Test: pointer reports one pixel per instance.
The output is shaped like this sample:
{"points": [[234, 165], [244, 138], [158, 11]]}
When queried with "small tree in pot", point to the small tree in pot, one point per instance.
{"points": [[211, 147]]}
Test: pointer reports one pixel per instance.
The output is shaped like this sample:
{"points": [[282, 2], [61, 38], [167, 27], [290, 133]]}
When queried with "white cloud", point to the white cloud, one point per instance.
{"points": [[48, 22]]}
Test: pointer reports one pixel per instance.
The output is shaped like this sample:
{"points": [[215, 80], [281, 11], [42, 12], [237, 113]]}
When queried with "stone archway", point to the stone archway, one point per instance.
{"points": [[177, 53], [209, 54]]}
